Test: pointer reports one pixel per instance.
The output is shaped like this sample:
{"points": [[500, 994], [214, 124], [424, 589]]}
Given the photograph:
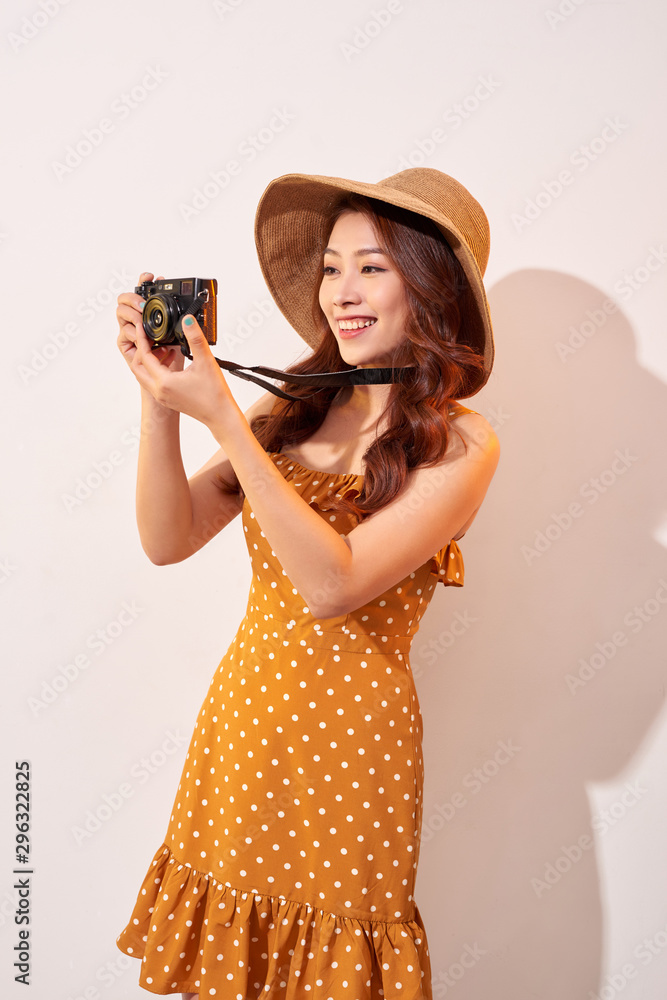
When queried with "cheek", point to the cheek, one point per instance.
{"points": [[399, 307], [323, 298]]}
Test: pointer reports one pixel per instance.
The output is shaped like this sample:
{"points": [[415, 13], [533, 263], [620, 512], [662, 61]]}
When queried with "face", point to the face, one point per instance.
{"points": [[362, 295]]}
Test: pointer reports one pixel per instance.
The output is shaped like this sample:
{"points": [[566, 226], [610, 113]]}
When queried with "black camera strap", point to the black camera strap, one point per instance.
{"points": [[353, 376]]}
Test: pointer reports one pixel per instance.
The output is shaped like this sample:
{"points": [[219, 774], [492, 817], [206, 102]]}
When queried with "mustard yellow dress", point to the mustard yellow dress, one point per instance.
{"points": [[289, 864]]}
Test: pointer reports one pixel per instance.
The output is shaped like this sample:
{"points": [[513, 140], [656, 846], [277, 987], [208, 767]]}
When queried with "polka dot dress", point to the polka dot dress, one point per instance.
{"points": [[289, 864]]}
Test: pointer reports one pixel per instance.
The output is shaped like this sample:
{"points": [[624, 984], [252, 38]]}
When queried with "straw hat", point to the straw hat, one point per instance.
{"points": [[289, 234]]}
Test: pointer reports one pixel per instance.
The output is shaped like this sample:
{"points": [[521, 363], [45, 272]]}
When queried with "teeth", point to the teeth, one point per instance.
{"points": [[346, 324]]}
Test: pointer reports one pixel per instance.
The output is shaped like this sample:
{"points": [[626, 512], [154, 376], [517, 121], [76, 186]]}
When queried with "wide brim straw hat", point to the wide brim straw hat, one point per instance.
{"points": [[290, 233]]}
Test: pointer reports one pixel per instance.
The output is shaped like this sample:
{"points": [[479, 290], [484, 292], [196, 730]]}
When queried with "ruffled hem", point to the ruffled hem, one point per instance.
{"points": [[197, 935]]}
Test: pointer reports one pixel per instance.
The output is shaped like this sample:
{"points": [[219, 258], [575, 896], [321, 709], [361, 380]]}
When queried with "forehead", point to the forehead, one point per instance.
{"points": [[353, 228]]}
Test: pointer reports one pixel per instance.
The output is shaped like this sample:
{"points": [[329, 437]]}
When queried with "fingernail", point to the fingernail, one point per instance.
{"points": [[188, 321]]}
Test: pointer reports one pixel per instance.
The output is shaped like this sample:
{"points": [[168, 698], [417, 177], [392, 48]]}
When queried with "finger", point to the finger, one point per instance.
{"points": [[125, 339], [127, 335], [131, 299], [146, 353], [145, 276], [126, 346], [195, 337], [145, 344], [127, 313], [163, 353]]}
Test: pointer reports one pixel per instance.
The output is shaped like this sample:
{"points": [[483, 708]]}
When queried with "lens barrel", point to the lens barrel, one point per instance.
{"points": [[159, 319]]}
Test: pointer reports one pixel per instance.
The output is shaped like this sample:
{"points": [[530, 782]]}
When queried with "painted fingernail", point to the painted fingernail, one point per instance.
{"points": [[188, 321]]}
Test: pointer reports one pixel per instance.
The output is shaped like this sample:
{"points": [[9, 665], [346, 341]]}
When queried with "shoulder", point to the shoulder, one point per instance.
{"points": [[473, 436], [459, 481]]}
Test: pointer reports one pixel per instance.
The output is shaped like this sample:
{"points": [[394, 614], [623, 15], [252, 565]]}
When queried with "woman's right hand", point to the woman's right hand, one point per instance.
{"points": [[130, 321]]}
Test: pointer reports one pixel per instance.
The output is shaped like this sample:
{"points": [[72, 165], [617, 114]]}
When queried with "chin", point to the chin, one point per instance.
{"points": [[360, 357]]}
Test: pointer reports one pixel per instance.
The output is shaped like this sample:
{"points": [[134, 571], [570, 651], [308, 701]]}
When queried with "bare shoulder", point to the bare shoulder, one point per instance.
{"points": [[474, 437], [447, 495], [468, 465]]}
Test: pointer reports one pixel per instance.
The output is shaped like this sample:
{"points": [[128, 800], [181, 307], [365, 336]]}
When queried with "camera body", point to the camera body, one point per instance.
{"points": [[169, 300]]}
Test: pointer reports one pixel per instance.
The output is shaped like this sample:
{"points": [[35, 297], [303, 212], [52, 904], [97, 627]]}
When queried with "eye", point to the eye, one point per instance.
{"points": [[372, 267], [328, 269]]}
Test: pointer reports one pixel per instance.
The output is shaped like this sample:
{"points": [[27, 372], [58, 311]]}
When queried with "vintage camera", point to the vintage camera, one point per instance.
{"points": [[169, 300]]}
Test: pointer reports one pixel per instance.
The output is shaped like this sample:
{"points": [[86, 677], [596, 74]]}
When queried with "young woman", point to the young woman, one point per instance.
{"points": [[290, 859]]}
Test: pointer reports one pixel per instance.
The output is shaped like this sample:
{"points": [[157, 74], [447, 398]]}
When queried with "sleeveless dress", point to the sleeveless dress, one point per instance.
{"points": [[289, 864]]}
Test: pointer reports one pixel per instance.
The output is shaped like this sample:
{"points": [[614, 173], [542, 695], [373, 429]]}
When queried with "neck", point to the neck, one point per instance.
{"points": [[367, 399]]}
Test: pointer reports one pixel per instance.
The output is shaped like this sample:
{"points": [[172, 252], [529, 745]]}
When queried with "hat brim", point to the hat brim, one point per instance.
{"points": [[289, 234]]}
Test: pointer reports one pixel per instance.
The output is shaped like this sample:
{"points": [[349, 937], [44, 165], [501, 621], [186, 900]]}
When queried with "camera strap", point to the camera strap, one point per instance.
{"points": [[353, 376]]}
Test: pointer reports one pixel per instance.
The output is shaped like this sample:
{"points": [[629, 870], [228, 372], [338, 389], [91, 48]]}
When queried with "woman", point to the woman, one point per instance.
{"points": [[291, 855]]}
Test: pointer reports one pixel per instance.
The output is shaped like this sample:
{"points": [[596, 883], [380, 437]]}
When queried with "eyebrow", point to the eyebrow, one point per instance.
{"points": [[358, 253]]}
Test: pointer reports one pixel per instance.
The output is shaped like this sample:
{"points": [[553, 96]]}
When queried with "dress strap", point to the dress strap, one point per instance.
{"points": [[457, 409]]}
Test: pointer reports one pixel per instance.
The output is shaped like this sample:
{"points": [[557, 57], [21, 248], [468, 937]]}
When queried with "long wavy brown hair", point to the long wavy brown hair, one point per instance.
{"points": [[440, 307]]}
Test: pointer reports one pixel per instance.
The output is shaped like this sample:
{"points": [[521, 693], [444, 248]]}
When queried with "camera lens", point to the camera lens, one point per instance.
{"points": [[160, 315]]}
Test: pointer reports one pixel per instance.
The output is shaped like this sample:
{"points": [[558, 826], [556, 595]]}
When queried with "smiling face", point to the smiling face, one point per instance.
{"points": [[361, 294]]}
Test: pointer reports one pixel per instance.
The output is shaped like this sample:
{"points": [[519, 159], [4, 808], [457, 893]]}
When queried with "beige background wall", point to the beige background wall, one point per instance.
{"points": [[141, 136]]}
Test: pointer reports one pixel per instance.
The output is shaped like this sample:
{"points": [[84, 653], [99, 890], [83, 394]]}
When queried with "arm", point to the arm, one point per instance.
{"points": [[385, 547], [175, 516], [377, 553]]}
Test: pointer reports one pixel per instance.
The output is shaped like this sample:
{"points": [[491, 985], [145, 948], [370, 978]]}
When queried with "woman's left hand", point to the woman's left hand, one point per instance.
{"points": [[200, 390]]}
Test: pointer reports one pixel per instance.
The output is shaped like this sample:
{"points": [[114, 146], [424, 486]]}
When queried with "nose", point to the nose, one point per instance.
{"points": [[347, 290]]}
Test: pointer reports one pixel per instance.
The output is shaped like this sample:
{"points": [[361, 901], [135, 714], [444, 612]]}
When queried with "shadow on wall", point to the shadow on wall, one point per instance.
{"points": [[559, 674]]}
